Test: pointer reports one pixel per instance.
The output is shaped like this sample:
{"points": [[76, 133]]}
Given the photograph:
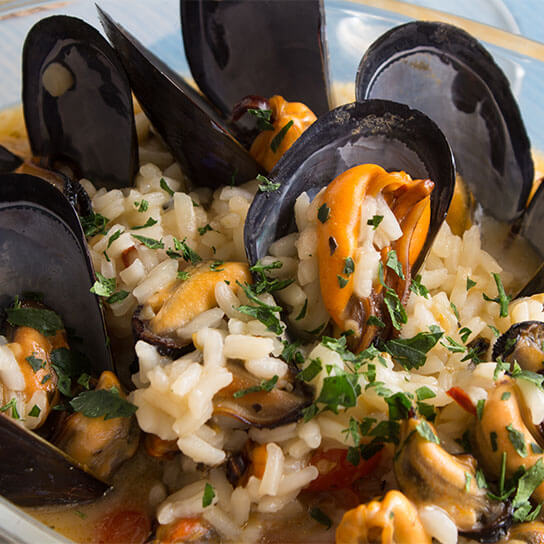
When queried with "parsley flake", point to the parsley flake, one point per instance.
{"points": [[263, 118], [13, 405], [103, 287], [208, 495], [349, 266], [319, 516], [470, 283], [267, 185], [502, 299], [165, 187], [149, 242], [35, 411], [114, 237], [278, 138], [46, 321], [518, 440], [94, 224], [35, 363], [394, 264], [149, 223], [323, 212], [418, 288], [265, 385], [106, 403], [426, 432], [375, 221]]}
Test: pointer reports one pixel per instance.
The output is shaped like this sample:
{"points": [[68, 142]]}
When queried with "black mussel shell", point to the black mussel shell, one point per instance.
{"points": [[43, 250], [374, 131], [242, 47], [35, 473], [77, 102], [448, 75], [533, 226], [8, 161], [195, 136]]}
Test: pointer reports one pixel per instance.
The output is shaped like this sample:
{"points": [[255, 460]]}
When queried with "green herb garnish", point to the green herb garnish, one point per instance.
{"points": [[278, 138], [106, 403]]}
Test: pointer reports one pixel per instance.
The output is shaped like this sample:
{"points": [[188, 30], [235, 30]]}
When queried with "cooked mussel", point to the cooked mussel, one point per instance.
{"points": [[381, 521], [43, 249], [529, 533], [428, 474], [447, 74], [522, 343], [176, 305], [195, 134], [507, 433], [77, 102], [337, 146], [278, 46]]}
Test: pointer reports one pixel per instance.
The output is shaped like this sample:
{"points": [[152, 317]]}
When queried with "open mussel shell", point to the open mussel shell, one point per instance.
{"points": [[77, 102], [36, 473], [447, 74], [242, 47], [8, 161], [43, 250], [374, 131], [196, 137]]}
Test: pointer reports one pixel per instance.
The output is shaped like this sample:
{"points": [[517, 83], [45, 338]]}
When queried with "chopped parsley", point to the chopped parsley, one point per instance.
{"points": [[394, 264], [412, 352], [480, 408], [418, 288], [183, 275], [375, 321], [278, 138], [208, 495], [518, 440], [142, 205], [216, 266], [150, 243], [468, 479], [35, 363], [505, 395], [426, 432], [264, 283], [396, 310], [323, 212], [311, 371], [67, 364], [114, 237], [203, 230], [263, 118], [470, 283], [319, 516], [117, 297], [493, 440], [340, 390], [400, 406], [12, 404], [494, 330], [266, 185], [188, 254], [455, 310], [84, 380], [106, 403], [464, 333], [265, 385], [103, 287], [375, 221], [166, 187], [424, 393], [46, 321], [302, 312], [342, 282], [94, 224], [263, 312], [149, 223], [502, 299], [349, 266], [35, 411]]}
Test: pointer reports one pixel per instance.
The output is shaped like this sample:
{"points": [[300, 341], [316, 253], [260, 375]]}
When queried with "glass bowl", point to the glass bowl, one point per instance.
{"points": [[352, 25]]}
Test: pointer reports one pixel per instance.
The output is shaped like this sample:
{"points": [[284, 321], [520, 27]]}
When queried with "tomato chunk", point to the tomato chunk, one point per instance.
{"points": [[336, 472], [462, 399], [124, 527]]}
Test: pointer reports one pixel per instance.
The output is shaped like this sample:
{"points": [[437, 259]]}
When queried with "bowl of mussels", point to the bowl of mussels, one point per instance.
{"points": [[446, 99]]}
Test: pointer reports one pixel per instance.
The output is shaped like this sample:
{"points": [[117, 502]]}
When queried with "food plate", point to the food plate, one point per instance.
{"points": [[346, 21]]}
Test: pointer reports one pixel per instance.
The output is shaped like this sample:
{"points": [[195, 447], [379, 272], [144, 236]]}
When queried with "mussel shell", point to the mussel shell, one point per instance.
{"points": [[8, 161], [447, 74], [240, 47], [90, 125], [195, 137], [532, 229], [35, 473], [374, 131], [42, 249]]}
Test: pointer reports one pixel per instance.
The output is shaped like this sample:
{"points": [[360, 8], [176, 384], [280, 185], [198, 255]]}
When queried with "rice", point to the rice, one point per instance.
{"points": [[175, 397]]}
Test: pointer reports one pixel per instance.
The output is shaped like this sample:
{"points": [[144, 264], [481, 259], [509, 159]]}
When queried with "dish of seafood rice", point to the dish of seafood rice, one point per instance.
{"points": [[258, 318]]}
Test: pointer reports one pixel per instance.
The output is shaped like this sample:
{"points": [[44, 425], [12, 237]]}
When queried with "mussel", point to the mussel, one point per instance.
{"points": [[8, 161], [428, 474], [43, 249], [522, 343], [444, 72], [375, 131], [77, 103], [261, 48]]}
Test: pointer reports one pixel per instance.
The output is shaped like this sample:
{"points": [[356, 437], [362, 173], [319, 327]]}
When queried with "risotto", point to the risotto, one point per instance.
{"points": [[321, 393]]}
